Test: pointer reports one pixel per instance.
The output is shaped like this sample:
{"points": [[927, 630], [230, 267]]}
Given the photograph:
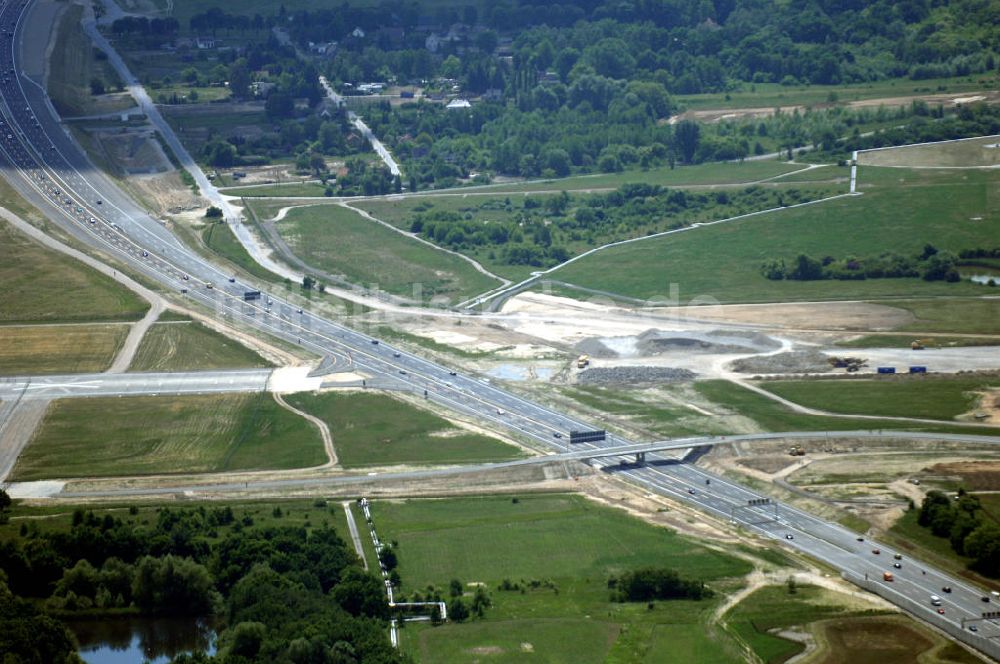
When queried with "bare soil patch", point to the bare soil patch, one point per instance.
{"points": [[976, 475]]}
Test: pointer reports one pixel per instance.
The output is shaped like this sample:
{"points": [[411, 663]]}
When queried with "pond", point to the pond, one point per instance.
{"points": [[136, 640]]}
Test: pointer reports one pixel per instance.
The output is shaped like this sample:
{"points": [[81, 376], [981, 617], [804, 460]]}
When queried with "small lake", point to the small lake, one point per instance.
{"points": [[136, 640], [519, 373]]}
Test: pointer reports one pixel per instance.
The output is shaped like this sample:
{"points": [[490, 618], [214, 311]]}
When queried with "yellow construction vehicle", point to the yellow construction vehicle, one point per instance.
{"points": [[582, 361], [917, 345]]}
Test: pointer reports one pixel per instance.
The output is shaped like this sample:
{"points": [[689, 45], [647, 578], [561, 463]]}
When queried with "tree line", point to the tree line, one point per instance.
{"points": [[929, 265]]}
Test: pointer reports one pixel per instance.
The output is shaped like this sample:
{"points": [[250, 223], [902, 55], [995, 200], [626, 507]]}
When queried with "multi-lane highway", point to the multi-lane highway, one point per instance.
{"points": [[44, 164]]}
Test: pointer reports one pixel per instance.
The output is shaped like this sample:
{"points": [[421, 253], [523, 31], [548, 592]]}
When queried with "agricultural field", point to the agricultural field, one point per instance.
{"points": [[341, 241], [107, 437], [185, 345], [723, 262], [49, 349], [560, 609], [376, 430], [41, 285], [931, 397]]}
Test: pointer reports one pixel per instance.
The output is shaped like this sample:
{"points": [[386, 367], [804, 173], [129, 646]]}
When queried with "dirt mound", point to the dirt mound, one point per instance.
{"points": [[634, 375], [796, 361]]}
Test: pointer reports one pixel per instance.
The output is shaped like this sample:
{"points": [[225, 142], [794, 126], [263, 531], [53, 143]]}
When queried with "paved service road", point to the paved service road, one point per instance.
{"points": [[47, 167], [132, 384]]}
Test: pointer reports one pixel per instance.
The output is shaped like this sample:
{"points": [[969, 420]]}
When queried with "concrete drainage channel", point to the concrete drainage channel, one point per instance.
{"points": [[409, 611]]}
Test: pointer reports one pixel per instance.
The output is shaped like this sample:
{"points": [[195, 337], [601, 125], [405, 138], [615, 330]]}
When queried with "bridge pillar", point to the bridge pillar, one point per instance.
{"points": [[640, 458]]}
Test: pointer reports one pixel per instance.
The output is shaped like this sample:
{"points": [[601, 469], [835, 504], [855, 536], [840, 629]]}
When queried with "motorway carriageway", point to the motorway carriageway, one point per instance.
{"points": [[46, 166]]}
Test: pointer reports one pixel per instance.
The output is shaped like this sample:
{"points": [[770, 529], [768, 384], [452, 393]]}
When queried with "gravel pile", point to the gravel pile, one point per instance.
{"points": [[633, 375], [796, 361], [595, 348]]}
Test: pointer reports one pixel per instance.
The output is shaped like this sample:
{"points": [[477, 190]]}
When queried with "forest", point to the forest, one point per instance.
{"points": [[279, 594]]}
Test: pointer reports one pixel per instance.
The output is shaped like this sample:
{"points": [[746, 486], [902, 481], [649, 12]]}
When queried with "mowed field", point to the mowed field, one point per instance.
{"points": [[47, 349], [104, 437], [561, 550], [376, 430], [341, 241], [773, 416], [976, 152], [190, 346], [722, 262], [43, 286], [931, 397]]}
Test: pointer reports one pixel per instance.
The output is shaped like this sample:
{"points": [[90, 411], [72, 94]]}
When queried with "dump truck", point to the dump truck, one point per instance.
{"points": [[796, 450], [852, 364], [917, 344], [582, 361]]}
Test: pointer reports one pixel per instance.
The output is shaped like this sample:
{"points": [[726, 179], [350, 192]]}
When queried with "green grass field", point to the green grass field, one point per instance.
{"points": [[932, 397], [972, 152], [658, 416], [959, 316], [47, 349], [220, 239], [44, 286], [569, 547], [773, 416], [722, 262], [716, 173], [773, 607], [290, 190], [904, 341], [376, 430], [769, 95], [104, 437], [341, 241], [187, 345]]}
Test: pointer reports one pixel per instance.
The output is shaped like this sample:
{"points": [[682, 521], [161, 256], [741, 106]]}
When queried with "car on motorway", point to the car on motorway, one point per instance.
{"points": [[876, 551], [985, 598], [232, 280], [789, 536], [395, 354], [897, 565], [861, 539], [300, 311], [935, 600], [973, 628], [941, 611], [452, 373], [145, 253], [375, 342], [557, 434], [898, 556], [946, 589], [402, 372], [691, 491]]}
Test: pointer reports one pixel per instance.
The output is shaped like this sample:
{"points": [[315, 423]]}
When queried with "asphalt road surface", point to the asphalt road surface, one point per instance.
{"points": [[132, 384], [49, 169]]}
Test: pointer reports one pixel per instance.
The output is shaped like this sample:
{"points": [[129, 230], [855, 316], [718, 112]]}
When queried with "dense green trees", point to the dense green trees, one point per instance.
{"points": [[970, 532], [649, 583], [282, 594], [930, 266]]}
